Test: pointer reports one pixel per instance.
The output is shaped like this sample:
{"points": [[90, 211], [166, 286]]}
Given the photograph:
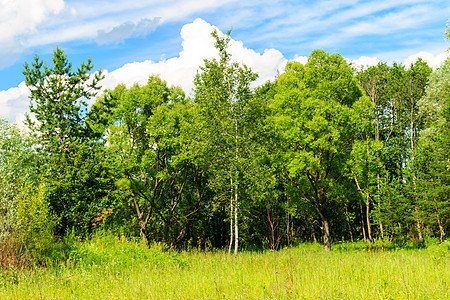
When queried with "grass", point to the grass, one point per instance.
{"points": [[110, 268]]}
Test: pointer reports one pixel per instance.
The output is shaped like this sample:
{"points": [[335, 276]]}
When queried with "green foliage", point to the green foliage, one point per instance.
{"points": [[323, 151], [58, 100], [447, 31], [83, 189], [38, 222], [153, 169], [431, 164], [315, 123], [396, 92], [77, 182], [107, 251], [18, 176], [10, 140], [9, 276]]}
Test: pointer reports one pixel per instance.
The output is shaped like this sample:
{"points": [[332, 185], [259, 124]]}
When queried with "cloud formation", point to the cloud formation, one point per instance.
{"points": [[26, 24], [289, 26], [20, 18], [359, 26], [434, 61], [14, 103], [126, 30], [197, 45]]}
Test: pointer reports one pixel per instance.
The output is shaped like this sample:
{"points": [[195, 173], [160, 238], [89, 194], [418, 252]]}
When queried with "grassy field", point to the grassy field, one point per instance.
{"points": [[110, 268]]}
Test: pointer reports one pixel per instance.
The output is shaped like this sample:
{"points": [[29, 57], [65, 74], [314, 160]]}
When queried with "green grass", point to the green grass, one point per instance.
{"points": [[110, 268]]}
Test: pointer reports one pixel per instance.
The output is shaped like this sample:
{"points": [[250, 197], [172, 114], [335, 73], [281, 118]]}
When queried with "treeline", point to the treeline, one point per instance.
{"points": [[323, 153]]}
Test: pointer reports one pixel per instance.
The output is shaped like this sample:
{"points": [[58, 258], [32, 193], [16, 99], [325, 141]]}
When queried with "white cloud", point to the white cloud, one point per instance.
{"points": [[325, 23], [125, 30], [30, 23], [353, 23], [19, 18], [14, 102], [394, 21], [365, 61], [114, 21], [301, 59], [198, 44], [434, 61]]}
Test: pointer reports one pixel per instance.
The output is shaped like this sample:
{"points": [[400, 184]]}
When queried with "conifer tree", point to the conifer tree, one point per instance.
{"points": [[71, 164]]}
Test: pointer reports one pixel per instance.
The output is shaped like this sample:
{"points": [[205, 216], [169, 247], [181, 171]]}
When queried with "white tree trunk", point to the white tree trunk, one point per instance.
{"points": [[231, 214], [236, 227]]}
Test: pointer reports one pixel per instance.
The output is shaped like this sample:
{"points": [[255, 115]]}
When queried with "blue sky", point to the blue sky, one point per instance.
{"points": [[131, 39]]}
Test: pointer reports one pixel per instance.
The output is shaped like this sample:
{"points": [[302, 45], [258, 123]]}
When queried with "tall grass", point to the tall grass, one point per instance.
{"points": [[111, 268]]}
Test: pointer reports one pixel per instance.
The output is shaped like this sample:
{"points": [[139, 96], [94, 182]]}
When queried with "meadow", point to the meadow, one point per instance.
{"points": [[106, 267]]}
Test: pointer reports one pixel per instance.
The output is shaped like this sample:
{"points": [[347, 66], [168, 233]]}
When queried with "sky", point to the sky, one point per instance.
{"points": [[132, 39]]}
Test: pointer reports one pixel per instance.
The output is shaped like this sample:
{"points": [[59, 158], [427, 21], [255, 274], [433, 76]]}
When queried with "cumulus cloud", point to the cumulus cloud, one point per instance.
{"points": [[198, 44], [126, 30], [365, 61], [14, 103], [434, 61], [301, 59]]}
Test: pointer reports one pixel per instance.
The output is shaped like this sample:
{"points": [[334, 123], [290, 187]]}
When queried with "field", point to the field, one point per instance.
{"points": [[110, 268]]}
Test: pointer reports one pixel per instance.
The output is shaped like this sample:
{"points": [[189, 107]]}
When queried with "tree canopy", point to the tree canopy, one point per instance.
{"points": [[324, 152]]}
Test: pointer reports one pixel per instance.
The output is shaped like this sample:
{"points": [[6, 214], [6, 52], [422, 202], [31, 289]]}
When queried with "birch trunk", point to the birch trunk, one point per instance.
{"points": [[379, 207], [231, 215], [236, 227]]}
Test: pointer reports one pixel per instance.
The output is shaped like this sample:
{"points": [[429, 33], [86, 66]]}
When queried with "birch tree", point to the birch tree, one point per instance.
{"points": [[407, 87], [222, 89]]}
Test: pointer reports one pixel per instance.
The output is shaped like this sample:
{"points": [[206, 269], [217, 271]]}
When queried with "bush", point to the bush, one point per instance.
{"points": [[37, 222], [105, 249]]}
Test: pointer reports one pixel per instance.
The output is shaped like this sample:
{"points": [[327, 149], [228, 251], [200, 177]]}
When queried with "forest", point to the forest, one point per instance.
{"points": [[325, 153]]}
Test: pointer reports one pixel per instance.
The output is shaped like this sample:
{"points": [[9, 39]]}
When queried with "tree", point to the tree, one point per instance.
{"points": [[222, 89], [267, 207], [24, 214], [77, 184], [431, 161], [394, 92], [58, 100], [369, 152], [147, 138], [315, 123], [407, 86], [367, 164], [17, 170]]}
